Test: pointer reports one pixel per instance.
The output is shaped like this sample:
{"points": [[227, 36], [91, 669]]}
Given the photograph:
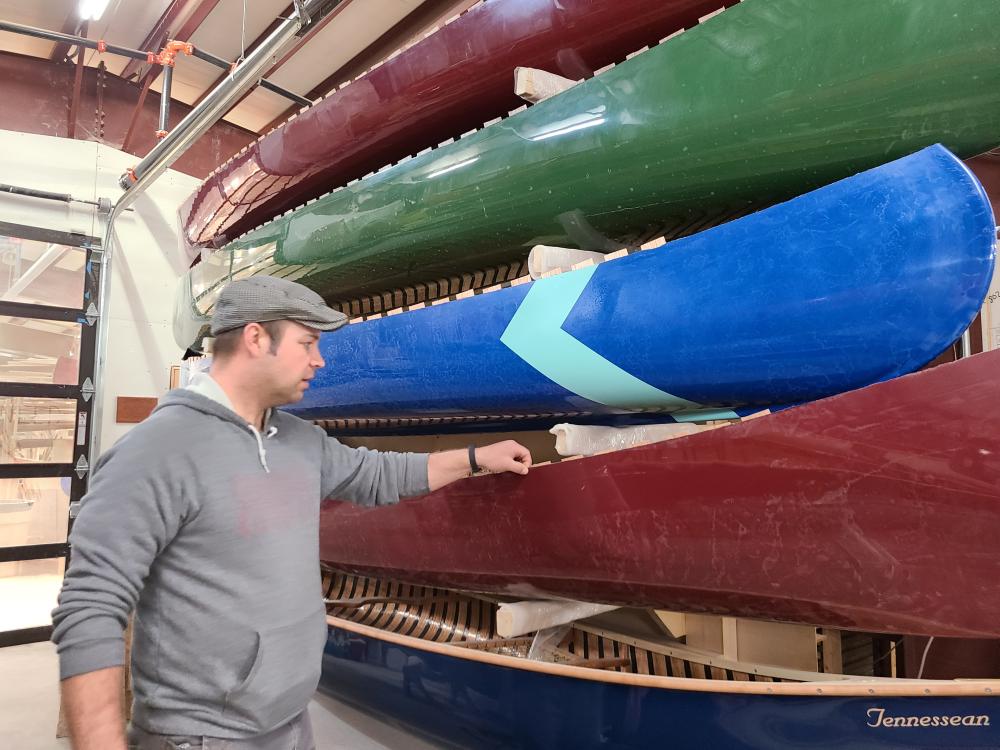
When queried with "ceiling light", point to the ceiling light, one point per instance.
{"points": [[92, 10]]}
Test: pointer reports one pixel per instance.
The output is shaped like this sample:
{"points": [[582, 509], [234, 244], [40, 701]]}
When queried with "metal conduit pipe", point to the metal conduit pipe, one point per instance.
{"points": [[168, 79], [167, 151], [136, 54], [103, 204], [55, 36]]}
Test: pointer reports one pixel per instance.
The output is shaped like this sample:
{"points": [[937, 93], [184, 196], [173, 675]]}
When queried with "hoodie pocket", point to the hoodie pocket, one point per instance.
{"points": [[284, 674]]}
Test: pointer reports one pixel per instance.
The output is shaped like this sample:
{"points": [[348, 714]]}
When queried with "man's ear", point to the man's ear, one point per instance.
{"points": [[255, 339]]}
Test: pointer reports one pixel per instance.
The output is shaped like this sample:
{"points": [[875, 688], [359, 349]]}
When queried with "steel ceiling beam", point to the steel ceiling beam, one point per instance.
{"points": [[71, 25]]}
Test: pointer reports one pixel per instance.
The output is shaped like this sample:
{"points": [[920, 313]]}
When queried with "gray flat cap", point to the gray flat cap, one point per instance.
{"points": [[259, 299]]}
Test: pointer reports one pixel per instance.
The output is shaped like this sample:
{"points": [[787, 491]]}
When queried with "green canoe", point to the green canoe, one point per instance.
{"points": [[759, 103]]}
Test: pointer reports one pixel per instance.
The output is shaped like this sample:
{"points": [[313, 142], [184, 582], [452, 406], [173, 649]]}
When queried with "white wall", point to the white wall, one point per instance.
{"points": [[147, 260]]}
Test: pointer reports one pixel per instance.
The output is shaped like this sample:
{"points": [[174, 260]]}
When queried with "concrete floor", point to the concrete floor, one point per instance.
{"points": [[29, 709]]}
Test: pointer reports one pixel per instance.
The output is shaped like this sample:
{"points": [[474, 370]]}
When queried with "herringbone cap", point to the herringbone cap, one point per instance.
{"points": [[259, 299]]}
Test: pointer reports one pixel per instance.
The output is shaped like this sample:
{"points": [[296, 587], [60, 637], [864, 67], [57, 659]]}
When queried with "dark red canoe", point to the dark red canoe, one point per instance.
{"points": [[876, 510], [448, 83]]}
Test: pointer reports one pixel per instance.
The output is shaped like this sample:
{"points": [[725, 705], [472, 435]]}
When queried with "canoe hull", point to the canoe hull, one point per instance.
{"points": [[643, 146], [469, 703], [857, 282], [448, 83], [876, 510]]}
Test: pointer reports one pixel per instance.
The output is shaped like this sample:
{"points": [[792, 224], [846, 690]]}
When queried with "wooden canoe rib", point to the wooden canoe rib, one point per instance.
{"points": [[876, 510], [464, 621]]}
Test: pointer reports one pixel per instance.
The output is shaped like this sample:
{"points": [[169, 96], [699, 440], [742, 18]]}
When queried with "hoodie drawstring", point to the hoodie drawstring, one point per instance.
{"points": [[261, 454]]}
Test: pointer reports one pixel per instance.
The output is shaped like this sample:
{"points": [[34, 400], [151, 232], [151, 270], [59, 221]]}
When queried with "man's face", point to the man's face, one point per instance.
{"points": [[293, 364]]}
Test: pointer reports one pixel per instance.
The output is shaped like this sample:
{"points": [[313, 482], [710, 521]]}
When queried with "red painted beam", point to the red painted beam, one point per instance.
{"points": [[147, 81], [34, 94]]}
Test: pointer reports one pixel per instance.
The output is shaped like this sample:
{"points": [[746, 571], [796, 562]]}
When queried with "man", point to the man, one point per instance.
{"points": [[205, 519]]}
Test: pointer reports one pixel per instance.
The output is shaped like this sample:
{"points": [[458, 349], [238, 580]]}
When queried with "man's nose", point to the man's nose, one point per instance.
{"points": [[317, 359]]}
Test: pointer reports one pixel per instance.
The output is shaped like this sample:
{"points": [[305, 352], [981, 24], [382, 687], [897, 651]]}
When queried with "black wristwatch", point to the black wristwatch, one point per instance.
{"points": [[472, 460]]}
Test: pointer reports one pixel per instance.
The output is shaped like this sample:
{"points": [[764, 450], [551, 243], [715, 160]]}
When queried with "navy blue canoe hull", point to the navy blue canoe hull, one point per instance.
{"points": [[857, 282], [463, 702]]}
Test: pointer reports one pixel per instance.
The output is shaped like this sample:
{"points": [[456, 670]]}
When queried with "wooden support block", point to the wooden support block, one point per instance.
{"points": [[534, 85], [833, 658], [518, 618]]}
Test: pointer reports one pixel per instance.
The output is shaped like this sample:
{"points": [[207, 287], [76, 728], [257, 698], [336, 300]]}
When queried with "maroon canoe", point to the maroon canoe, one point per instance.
{"points": [[448, 83], [876, 510]]}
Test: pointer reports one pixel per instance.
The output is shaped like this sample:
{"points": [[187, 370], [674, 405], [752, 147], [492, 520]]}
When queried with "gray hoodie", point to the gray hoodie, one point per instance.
{"points": [[210, 531]]}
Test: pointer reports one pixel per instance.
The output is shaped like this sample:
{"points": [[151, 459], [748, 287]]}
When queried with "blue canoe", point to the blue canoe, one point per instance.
{"points": [[854, 283], [462, 698]]}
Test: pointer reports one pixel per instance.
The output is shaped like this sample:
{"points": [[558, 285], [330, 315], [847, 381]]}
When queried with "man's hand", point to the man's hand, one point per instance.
{"points": [[506, 456], [448, 466]]}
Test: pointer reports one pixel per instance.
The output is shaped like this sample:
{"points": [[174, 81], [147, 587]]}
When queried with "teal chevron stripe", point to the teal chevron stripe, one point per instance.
{"points": [[535, 335]]}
